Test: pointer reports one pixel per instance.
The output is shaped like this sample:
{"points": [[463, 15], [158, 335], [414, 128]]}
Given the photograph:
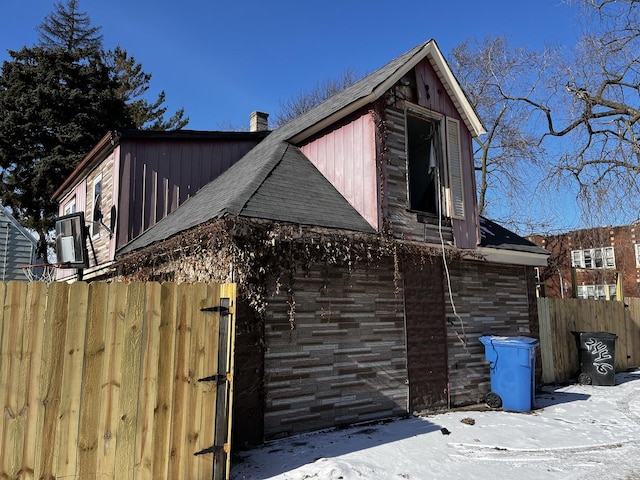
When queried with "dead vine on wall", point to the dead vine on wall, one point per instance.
{"points": [[263, 257]]}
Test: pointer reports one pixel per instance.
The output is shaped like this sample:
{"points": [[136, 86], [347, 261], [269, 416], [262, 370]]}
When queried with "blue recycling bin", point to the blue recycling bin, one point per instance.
{"points": [[512, 362]]}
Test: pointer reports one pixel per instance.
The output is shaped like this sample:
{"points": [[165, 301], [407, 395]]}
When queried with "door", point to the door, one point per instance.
{"points": [[426, 334]]}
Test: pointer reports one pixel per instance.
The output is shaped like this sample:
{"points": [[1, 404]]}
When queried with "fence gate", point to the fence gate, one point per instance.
{"points": [[116, 380]]}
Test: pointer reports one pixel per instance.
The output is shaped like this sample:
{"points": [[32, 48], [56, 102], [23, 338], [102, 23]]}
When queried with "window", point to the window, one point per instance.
{"points": [[70, 207], [637, 249], [97, 206], [596, 292], [435, 184], [603, 257]]}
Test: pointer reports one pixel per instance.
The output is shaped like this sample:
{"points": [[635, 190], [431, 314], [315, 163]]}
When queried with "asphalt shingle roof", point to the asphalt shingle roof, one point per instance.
{"points": [[498, 237], [276, 181]]}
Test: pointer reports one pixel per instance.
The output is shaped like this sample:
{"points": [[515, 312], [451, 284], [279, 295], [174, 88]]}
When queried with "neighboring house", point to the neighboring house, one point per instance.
{"points": [[132, 179], [365, 274], [18, 248], [600, 263]]}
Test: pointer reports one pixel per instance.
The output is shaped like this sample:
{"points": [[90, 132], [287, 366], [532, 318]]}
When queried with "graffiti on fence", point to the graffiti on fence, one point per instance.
{"points": [[601, 355]]}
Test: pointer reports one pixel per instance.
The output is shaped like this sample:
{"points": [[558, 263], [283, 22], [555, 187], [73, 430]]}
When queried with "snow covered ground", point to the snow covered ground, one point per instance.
{"points": [[574, 432]]}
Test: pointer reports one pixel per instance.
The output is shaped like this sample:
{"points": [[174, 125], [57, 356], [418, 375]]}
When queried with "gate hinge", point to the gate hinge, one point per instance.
{"points": [[219, 378], [220, 309], [214, 449]]}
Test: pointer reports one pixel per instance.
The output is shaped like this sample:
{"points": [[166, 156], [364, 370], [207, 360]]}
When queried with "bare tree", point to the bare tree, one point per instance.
{"points": [[492, 75], [306, 100], [595, 106]]}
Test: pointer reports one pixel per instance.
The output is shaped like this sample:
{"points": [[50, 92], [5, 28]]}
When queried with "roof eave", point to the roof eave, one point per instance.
{"points": [[469, 115], [429, 50], [513, 257], [105, 142]]}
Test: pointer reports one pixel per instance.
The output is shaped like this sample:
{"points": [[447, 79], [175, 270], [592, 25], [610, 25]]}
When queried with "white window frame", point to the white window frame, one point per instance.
{"points": [[637, 250], [70, 206], [596, 292], [594, 258], [95, 226]]}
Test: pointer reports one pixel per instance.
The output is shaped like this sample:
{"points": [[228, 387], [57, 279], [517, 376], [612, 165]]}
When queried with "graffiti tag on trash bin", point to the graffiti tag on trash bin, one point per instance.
{"points": [[602, 356]]}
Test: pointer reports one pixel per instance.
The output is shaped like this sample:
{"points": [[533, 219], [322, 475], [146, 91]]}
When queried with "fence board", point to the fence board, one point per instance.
{"points": [[34, 327], [14, 368], [91, 380], [126, 444], [149, 385], [111, 378], [560, 317], [55, 327], [100, 380], [196, 464], [209, 389], [179, 453], [632, 317], [166, 363], [73, 362], [546, 338]]}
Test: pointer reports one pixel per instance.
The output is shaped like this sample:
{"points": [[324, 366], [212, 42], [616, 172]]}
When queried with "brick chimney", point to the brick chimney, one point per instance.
{"points": [[259, 122]]}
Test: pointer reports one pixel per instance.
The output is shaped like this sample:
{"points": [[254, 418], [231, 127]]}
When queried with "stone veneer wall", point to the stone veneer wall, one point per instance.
{"points": [[490, 299], [344, 360]]}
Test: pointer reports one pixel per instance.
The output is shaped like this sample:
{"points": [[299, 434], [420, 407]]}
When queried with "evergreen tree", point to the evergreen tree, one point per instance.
{"points": [[134, 84], [57, 100], [69, 29], [54, 105]]}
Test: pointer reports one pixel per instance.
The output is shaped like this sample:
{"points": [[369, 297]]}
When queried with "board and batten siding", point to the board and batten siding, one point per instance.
{"points": [[342, 358], [156, 177], [346, 157]]}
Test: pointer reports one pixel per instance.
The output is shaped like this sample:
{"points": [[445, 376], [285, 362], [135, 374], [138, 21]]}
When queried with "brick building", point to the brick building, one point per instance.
{"points": [[595, 263]]}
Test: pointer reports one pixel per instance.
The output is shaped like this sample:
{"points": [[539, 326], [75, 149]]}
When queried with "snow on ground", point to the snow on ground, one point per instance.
{"points": [[574, 432]]}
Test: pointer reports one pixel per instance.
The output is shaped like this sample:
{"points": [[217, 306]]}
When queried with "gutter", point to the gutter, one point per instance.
{"points": [[513, 257], [109, 140]]}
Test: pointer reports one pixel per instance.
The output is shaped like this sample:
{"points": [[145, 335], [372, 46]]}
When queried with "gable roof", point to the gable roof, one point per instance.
{"points": [[4, 213], [276, 181], [376, 84]]}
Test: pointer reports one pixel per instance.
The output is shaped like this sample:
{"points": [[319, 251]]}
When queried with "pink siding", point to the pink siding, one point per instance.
{"points": [[346, 157], [466, 232]]}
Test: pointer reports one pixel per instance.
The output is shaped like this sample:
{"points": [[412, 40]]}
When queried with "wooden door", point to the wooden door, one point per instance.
{"points": [[426, 335]]}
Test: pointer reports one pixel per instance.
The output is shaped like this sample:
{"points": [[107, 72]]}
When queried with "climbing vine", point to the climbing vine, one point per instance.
{"points": [[264, 257]]}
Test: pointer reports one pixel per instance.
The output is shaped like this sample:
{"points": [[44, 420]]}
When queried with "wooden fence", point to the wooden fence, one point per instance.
{"points": [[559, 317], [100, 380]]}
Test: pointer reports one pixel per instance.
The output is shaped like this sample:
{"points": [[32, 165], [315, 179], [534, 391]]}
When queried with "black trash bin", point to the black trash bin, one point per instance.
{"points": [[597, 356]]}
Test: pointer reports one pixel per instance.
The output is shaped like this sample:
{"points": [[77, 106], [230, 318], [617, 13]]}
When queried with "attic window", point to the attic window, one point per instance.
{"points": [[70, 206], [434, 164]]}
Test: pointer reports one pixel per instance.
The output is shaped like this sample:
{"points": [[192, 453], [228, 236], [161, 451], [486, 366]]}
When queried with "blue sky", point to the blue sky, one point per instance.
{"points": [[222, 60]]}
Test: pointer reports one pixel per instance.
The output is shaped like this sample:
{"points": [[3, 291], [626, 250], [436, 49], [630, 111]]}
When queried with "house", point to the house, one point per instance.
{"points": [[132, 179], [601, 263], [365, 274], [18, 248]]}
